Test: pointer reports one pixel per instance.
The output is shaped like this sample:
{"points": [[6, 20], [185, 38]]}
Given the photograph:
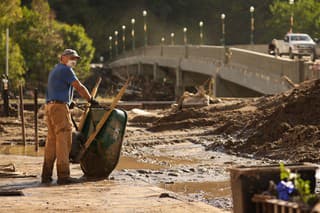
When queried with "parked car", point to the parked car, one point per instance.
{"points": [[295, 44]]}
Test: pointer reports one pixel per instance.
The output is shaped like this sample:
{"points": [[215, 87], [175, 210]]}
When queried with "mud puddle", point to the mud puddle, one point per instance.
{"points": [[29, 150], [184, 168], [208, 190]]}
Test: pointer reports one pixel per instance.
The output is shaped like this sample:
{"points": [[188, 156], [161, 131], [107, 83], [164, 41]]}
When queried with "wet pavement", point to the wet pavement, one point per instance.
{"points": [[185, 168]]}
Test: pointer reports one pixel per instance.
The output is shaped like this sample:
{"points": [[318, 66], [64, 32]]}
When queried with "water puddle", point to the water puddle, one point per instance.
{"points": [[132, 163], [28, 150], [209, 190], [171, 161]]}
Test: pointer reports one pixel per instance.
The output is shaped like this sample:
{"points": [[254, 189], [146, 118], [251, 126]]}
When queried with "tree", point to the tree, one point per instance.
{"points": [[306, 17], [16, 62], [39, 41], [10, 13], [75, 37]]}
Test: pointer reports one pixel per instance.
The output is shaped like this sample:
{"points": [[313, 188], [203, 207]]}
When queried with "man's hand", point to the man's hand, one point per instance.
{"points": [[94, 103], [72, 105]]}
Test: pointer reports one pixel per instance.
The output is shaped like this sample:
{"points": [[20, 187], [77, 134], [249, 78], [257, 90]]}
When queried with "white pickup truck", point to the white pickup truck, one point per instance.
{"points": [[295, 44]]}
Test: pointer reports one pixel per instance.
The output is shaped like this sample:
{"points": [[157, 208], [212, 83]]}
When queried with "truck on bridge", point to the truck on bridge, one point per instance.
{"points": [[295, 44]]}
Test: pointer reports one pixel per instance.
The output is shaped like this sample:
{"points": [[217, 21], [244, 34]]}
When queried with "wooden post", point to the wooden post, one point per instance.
{"points": [[36, 119], [22, 116]]}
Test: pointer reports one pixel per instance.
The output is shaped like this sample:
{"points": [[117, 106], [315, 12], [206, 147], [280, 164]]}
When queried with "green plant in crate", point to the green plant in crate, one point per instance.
{"points": [[301, 186]]}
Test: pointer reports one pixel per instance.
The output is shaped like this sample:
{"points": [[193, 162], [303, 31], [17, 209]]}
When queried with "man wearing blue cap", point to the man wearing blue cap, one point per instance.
{"points": [[61, 82]]}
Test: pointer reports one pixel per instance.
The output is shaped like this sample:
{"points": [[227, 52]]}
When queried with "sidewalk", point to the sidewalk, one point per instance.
{"points": [[100, 196]]}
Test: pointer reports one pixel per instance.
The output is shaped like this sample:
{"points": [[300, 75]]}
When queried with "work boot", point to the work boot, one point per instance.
{"points": [[46, 180], [69, 180]]}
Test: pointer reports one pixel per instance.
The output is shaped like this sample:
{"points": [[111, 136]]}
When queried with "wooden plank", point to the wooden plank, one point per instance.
{"points": [[22, 115], [36, 120], [106, 115]]}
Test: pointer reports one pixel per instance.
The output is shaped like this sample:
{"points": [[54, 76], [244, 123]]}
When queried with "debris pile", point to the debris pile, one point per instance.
{"points": [[284, 126]]}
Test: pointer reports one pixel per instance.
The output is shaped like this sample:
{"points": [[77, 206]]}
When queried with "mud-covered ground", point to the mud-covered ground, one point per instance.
{"points": [[189, 151]]}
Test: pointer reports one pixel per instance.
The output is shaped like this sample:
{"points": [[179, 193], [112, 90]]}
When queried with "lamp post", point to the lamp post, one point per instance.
{"points": [[110, 47], [116, 41], [185, 38], [145, 27], [291, 2], [123, 38], [133, 21], [201, 32], [223, 17], [172, 38], [162, 43], [5, 79], [252, 25]]}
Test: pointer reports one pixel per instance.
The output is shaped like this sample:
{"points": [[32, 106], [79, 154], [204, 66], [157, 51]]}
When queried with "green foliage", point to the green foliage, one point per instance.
{"points": [[10, 12], [284, 172], [75, 37], [16, 62], [306, 15], [41, 39], [38, 40], [101, 18], [302, 186]]}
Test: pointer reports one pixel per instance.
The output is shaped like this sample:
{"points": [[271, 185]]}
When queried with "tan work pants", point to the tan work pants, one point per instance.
{"points": [[59, 139]]}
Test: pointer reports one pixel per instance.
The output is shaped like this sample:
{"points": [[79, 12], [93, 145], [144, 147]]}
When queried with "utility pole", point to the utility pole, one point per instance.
{"points": [[5, 77], [7, 52]]}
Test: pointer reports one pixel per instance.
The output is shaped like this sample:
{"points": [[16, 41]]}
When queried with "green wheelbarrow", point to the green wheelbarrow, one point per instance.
{"points": [[101, 157]]}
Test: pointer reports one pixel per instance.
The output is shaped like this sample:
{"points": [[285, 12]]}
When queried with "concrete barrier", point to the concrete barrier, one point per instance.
{"points": [[254, 70]]}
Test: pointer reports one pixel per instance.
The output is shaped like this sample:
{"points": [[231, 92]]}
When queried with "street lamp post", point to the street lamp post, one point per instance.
{"points": [[185, 38], [133, 21], [162, 43], [223, 17], [123, 38], [201, 32], [291, 2], [145, 27], [116, 41], [172, 38], [252, 25], [5, 79], [110, 47]]}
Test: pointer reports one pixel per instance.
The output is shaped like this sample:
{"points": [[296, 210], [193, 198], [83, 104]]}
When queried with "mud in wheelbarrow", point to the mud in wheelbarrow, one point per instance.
{"points": [[102, 156]]}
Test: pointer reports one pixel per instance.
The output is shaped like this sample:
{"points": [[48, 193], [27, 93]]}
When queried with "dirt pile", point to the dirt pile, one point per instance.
{"points": [[291, 128], [284, 126]]}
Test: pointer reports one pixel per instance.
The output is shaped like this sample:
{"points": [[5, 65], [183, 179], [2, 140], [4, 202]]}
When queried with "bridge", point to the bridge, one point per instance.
{"points": [[232, 71]]}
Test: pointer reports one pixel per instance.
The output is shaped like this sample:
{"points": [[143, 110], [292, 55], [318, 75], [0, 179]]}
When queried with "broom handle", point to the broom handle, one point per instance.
{"points": [[106, 116], [85, 113]]}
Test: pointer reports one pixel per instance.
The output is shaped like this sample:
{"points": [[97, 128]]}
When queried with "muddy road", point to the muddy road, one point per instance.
{"points": [[174, 159], [189, 151]]}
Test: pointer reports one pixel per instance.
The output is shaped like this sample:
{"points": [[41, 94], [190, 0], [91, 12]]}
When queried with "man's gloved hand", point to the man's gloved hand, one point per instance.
{"points": [[72, 105], [94, 103]]}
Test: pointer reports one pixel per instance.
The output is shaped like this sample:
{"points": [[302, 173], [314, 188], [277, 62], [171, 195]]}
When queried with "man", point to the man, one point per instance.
{"points": [[61, 82]]}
